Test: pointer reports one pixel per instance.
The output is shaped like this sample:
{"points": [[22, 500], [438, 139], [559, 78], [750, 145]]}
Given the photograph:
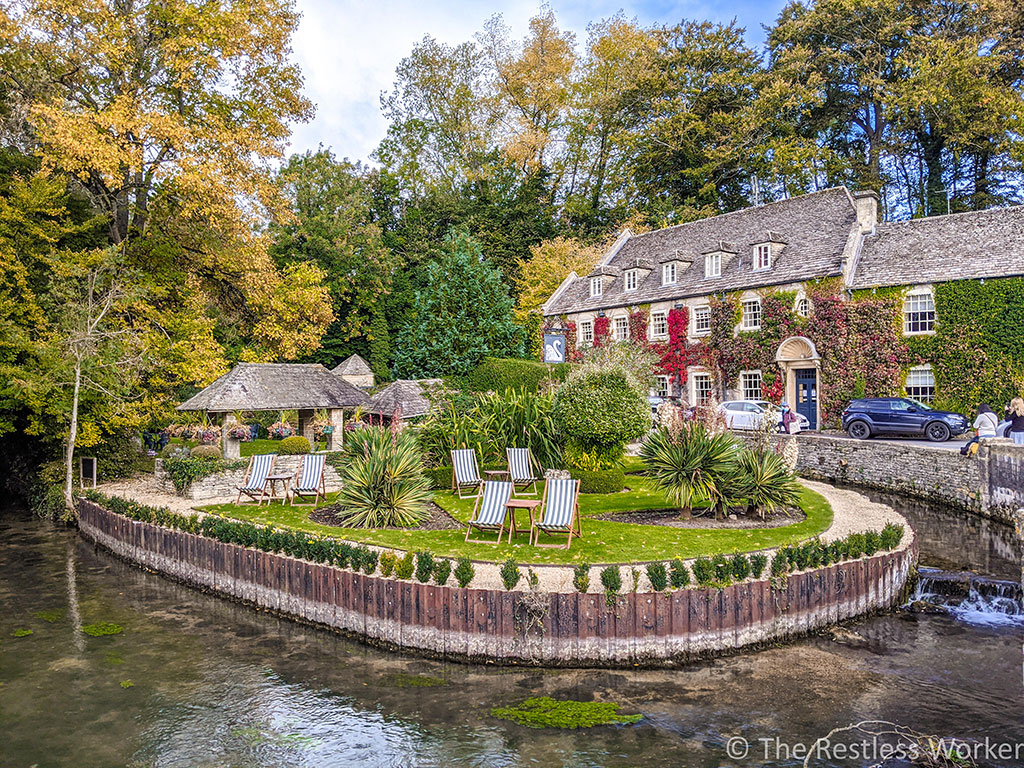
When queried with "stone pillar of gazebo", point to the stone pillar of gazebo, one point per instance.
{"points": [[335, 439], [229, 447], [306, 417]]}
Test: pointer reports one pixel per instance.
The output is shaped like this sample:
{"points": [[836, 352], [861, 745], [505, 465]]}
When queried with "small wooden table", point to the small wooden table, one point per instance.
{"points": [[495, 474], [512, 505], [272, 481]]}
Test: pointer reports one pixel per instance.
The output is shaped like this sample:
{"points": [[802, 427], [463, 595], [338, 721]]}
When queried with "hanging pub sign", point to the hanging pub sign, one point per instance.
{"points": [[554, 347]]}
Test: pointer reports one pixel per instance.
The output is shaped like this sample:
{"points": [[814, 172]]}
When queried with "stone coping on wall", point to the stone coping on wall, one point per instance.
{"points": [[498, 626]]}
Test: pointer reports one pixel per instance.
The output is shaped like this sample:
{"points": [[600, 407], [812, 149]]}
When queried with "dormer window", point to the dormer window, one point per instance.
{"points": [[668, 273], [631, 279], [713, 265], [763, 256], [596, 286]]}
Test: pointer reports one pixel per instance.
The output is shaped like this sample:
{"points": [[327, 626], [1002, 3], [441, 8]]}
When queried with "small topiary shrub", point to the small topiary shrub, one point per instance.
{"points": [[703, 571], [780, 564], [405, 566], [581, 577], [510, 574], [891, 536], [424, 566], [464, 571], [723, 569], [658, 576], [758, 562], [611, 580], [175, 451], [442, 570], [387, 563], [872, 543], [206, 452], [369, 560], [739, 566], [610, 480], [294, 446], [680, 574]]}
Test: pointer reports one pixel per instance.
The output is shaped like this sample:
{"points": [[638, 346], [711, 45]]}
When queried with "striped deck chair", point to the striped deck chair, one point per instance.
{"points": [[309, 479], [465, 471], [489, 510], [560, 512], [255, 484], [523, 470]]}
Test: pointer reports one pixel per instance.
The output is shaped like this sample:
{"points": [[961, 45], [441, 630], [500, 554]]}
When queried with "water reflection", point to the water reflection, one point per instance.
{"points": [[198, 681]]}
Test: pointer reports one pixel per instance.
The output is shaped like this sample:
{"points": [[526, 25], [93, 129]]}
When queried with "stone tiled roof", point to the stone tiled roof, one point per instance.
{"points": [[352, 366], [405, 396], [941, 248], [814, 229], [275, 387]]}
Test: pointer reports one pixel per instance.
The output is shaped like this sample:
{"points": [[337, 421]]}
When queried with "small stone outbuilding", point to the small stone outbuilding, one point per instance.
{"points": [[278, 387], [355, 371], [406, 397]]}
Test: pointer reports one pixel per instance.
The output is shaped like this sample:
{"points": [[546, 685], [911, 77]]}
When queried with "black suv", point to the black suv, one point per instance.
{"points": [[900, 415]]}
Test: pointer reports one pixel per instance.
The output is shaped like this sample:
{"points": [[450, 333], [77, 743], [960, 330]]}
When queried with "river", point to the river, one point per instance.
{"points": [[196, 681]]}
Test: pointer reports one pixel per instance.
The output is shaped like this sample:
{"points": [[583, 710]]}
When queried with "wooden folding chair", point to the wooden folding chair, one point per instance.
{"points": [[489, 510], [560, 512], [255, 484], [309, 480], [465, 471], [523, 470]]}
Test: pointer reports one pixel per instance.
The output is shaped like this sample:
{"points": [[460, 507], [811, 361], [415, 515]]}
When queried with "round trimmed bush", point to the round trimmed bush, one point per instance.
{"points": [[600, 411], [294, 445], [175, 451], [610, 480], [206, 452]]}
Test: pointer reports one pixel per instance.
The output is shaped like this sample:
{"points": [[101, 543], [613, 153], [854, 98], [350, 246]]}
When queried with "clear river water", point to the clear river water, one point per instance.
{"points": [[198, 681]]}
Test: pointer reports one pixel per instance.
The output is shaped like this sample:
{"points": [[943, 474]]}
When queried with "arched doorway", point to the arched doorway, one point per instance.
{"points": [[801, 372]]}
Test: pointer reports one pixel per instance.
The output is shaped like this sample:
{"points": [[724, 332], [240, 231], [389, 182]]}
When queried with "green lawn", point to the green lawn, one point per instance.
{"points": [[603, 541]]}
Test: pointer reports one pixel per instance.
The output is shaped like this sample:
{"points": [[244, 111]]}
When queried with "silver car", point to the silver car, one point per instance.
{"points": [[748, 414]]}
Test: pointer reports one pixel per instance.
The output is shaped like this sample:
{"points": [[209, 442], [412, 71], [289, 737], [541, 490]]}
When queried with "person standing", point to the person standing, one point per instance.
{"points": [[1015, 413], [984, 426], [790, 422]]}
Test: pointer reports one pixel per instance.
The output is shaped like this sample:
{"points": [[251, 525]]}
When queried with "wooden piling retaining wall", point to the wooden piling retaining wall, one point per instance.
{"points": [[496, 626]]}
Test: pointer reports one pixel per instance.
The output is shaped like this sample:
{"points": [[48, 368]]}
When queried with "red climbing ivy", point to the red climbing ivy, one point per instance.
{"points": [[602, 331]]}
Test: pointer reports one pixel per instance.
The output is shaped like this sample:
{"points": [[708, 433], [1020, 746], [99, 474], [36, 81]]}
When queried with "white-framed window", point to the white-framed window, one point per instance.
{"points": [[621, 328], [701, 321], [921, 383], [668, 273], [701, 388], [713, 265], [750, 385], [587, 332], [596, 286], [919, 313], [661, 386], [803, 306], [763, 256], [631, 279], [751, 318], [659, 325]]}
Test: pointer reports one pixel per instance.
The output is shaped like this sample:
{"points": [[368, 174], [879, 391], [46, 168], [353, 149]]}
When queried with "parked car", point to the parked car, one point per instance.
{"points": [[1003, 428], [901, 416], [747, 414]]}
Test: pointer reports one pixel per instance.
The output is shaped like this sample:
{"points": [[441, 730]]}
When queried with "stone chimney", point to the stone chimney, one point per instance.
{"points": [[866, 203]]}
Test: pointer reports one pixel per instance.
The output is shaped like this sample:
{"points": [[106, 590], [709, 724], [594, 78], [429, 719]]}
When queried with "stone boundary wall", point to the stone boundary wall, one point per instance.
{"points": [[494, 626], [221, 484], [991, 483]]}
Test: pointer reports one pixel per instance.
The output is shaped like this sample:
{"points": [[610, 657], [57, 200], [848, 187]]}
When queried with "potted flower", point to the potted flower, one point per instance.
{"points": [[207, 435], [240, 432], [280, 430]]}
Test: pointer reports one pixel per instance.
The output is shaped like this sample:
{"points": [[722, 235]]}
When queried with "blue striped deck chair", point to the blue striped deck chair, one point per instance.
{"points": [[523, 470], [489, 510], [255, 484], [465, 471], [309, 479], [560, 512]]}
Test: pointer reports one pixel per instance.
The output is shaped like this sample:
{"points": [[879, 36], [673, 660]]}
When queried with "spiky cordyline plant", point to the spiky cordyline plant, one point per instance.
{"points": [[689, 464], [765, 481], [383, 484]]}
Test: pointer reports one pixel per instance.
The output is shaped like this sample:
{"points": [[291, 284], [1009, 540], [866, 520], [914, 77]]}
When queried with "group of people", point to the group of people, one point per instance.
{"points": [[987, 422]]}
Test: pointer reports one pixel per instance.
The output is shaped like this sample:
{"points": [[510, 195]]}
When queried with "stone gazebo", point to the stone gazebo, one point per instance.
{"points": [[277, 387]]}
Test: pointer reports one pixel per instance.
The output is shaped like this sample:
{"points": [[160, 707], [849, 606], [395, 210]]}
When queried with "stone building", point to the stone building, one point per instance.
{"points": [[355, 371], [783, 247]]}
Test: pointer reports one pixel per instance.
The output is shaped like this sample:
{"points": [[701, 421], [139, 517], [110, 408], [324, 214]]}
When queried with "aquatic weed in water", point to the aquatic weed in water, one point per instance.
{"points": [[545, 712]]}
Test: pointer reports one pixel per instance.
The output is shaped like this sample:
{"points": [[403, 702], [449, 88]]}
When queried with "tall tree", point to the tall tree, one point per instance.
{"points": [[463, 315]]}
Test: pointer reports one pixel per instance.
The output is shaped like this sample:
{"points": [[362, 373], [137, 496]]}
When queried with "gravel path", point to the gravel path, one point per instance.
{"points": [[852, 512]]}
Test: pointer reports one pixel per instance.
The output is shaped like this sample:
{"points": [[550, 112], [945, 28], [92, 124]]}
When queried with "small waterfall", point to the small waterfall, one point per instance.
{"points": [[970, 598]]}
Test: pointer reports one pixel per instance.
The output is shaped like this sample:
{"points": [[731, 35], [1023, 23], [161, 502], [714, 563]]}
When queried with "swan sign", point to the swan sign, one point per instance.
{"points": [[554, 348]]}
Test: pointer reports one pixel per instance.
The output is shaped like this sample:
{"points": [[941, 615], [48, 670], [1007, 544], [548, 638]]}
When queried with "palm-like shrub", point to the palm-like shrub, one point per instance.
{"points": [[383, 484], [689, 464], [765, 482]]}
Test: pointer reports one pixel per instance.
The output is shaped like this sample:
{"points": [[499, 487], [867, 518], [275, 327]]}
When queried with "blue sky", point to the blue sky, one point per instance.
{"points": [[348, 49]]}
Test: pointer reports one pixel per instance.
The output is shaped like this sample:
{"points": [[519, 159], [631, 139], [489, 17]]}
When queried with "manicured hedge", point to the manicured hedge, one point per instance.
{"points": [[603, 481], [495, 374]]}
